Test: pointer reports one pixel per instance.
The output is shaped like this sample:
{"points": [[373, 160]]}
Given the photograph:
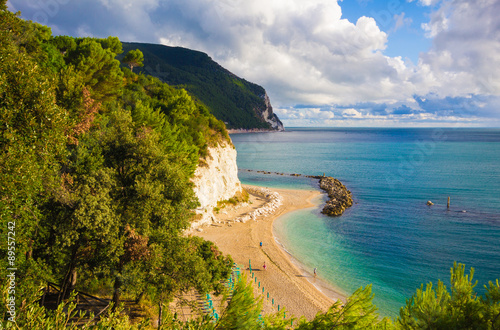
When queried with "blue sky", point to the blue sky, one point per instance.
{"points": [[401, 20], [323, 62]]}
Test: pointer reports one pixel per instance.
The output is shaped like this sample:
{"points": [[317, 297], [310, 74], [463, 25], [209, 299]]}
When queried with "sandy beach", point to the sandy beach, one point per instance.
{"points": [[292, 288]]}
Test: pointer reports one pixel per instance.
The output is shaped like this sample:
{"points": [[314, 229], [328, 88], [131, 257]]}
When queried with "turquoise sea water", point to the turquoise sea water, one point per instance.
{"points": [[390, 237]]}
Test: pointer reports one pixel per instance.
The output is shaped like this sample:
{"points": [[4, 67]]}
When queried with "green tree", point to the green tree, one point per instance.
{"points": [[112, 43], [64, 43], [134, 58], [281, 320], [97, 176], [243, 309], [492, 303], [32, 135], [358, 313], [459, 309], [97, 68]]}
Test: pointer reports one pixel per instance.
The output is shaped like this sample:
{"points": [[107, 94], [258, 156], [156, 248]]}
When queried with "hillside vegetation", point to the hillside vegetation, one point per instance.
{"points": [[235, 101], [95, 165]]}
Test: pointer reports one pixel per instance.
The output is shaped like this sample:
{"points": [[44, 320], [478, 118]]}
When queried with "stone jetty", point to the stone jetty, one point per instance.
{"points": [[339, 197]]}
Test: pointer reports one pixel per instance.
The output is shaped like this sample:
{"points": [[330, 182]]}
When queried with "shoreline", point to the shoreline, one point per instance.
{"points": [[319, 283], [285, 279], [252, 130]]}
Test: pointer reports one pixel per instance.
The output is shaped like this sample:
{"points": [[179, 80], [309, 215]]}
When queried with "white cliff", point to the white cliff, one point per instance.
{"points": [[217, 180], [270, 117]]}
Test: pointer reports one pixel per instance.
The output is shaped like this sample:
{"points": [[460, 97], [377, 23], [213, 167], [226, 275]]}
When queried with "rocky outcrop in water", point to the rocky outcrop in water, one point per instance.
{"points": [[340, 197]]}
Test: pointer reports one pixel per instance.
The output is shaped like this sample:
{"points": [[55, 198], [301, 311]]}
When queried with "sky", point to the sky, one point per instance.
{"points": [[350, 63]]}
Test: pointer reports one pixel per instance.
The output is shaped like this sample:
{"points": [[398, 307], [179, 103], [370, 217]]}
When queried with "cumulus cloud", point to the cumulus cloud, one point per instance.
{"points": [[301, 51], [304, 52], [465, 57]]}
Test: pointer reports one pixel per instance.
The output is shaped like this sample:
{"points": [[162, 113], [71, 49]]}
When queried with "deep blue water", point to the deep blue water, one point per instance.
{"points": [[390, 237]]}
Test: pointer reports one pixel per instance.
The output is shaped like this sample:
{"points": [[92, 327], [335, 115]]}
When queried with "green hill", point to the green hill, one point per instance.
{"points": [[237, 102]]}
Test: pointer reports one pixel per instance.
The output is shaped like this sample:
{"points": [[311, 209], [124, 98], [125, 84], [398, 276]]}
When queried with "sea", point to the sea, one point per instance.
{"points": [[390, 238]]}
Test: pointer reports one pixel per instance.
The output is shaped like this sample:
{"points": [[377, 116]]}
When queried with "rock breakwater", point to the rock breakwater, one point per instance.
{"points": [[340, 197]]}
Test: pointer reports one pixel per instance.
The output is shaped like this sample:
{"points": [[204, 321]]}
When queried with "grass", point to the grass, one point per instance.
{"points": [[240, 197]]}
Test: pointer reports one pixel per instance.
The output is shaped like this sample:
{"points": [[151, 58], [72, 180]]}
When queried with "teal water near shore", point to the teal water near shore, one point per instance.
{"points": [[390, 238]]}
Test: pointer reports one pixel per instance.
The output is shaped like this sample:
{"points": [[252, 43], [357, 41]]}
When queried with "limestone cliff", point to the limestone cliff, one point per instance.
{"points": [[217, 180], [269, 116]]}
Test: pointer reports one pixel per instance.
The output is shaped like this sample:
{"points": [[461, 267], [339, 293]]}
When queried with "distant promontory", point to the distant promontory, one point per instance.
{"points": [[240, 104]]}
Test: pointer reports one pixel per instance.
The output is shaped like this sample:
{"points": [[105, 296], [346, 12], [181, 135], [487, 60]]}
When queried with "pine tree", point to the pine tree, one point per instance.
{"points": [[97, 68], [243, 309], [134, 58], [358, 313], [459, 309]]}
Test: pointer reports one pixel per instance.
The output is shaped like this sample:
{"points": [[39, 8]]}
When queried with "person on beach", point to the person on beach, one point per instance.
{"points": [[260, 244], [264, 267], [314, 271]]}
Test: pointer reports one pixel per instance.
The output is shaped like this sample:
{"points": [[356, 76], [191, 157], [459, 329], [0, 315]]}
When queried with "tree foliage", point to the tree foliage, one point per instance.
{"points": [[32, 131], [460, 308], [243, 309], [358, 313], [96, 68], [96, 164], [134, 58]]}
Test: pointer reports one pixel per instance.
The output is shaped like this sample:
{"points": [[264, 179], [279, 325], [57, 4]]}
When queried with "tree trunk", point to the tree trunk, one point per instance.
{"points": [[72, 279], [139, 297], [160, 312], [69, 280], [117, 291]]}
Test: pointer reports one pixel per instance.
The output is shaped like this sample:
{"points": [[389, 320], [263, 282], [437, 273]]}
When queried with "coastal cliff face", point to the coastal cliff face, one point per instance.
{"points": [[270, 117], [217, 180]]}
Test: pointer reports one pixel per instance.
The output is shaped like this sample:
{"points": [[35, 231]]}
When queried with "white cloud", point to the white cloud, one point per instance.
{"points": [[303, 52], [83, 31], [300, 51], [465, 56], [352, 113], [428, 2], [439, 21]]}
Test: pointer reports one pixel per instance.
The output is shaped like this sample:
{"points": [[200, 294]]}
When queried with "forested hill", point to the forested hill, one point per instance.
{"points": [[237, 102], [95, 166]]}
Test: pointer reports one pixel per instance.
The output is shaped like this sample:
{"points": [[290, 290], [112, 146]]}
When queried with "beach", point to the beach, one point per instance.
{"points": [[292, 287]]}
